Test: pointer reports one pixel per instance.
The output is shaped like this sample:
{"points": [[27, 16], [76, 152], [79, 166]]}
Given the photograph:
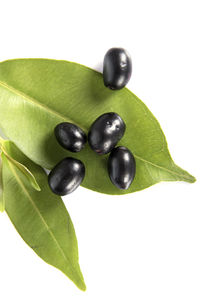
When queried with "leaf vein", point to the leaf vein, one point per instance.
{"points": [[165, 169], [38, 104]]}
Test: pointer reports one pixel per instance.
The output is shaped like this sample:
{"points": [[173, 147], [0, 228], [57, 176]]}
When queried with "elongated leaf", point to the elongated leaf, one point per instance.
{"points": [[40, 217], [2, 204], [37, 94], [23, 169]]}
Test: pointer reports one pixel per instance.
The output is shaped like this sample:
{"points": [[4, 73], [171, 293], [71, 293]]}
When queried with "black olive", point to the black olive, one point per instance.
{"points": [[121, 167], [117, 68], [105, 132], [66, 176], [70, 136]]}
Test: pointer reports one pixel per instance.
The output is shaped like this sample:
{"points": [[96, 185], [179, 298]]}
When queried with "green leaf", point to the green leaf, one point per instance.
{"points": [[23, 169], [40, 217], [2, 204], [37, 94]]}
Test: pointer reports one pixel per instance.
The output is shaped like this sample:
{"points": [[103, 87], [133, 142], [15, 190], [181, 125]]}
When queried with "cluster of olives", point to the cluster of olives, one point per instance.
{"points": [[103, 136]]}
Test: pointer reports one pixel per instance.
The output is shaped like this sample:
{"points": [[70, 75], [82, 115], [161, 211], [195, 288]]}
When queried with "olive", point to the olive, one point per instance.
{"points": [[70, 136], [66, 176], [105, 132], [117, 68], [121, 167]]}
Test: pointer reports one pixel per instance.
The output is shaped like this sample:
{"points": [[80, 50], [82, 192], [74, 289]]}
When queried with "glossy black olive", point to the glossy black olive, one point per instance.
{"points": [[117, 68], [70, 136], [121, 167], [66, 176], [105, 132]]}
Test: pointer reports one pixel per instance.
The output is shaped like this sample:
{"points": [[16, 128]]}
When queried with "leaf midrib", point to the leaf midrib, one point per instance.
{"points": [[191, 178], [41, 217], [35, 102]]}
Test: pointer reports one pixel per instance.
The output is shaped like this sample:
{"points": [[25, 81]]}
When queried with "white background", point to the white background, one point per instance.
{"points": [[144, 245]]}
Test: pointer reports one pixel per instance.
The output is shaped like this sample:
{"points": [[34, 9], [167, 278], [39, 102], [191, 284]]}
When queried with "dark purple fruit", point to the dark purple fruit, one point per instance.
{"points": [[66, 176], [70, 136], [105, 132], [117, 68], [121, 167]]}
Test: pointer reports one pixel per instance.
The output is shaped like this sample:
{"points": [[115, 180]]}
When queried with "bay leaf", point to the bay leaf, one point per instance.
{"points": [[40, 217], [37, 94]]}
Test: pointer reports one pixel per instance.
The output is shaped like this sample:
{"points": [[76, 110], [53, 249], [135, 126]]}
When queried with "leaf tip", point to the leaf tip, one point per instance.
{"points": [[79, 282], [82, 286], [193, 179], [37, 187]]}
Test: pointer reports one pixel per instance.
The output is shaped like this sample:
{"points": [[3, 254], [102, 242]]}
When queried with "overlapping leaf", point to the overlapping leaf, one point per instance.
{"points": [[39, 217]]}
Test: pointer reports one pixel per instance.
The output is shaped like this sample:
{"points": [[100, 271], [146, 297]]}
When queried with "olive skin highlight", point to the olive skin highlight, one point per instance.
{"points": [[121, 167], [105, 132], [117, 68], [66, 176], [70, 136]]}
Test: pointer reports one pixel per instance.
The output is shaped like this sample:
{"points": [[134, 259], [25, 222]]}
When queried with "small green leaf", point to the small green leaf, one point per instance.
{"points": [[2, 204], [37, 94], [6, 149], [40, 217]]}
